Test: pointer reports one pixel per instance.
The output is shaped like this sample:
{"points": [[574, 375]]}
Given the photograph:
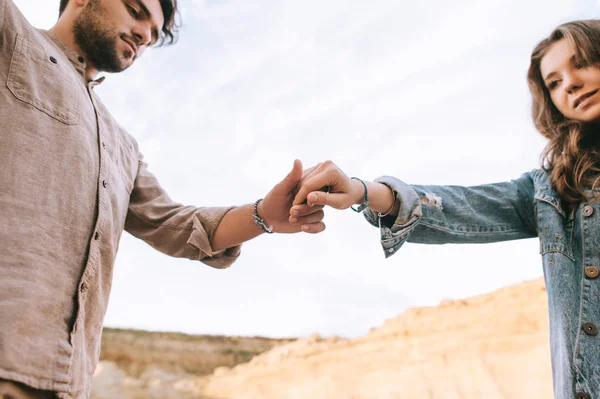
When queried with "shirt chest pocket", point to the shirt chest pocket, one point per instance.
{"points": [[39, 79], [127, 165], [555, 229], [121, 157]]}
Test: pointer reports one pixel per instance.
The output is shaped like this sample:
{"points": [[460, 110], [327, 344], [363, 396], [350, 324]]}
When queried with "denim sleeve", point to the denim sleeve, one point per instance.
{"points": [[453, 214]]}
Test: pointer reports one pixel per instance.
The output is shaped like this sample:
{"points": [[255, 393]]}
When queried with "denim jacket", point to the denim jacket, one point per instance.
{"points": [[522, 208]]}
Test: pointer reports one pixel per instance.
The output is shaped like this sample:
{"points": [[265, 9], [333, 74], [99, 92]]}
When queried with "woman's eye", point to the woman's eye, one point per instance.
{"points": [[552, 84]]}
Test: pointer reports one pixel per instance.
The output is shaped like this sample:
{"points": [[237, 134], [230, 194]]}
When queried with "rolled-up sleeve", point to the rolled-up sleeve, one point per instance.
{"points": [[172, 228], [455, 214]]}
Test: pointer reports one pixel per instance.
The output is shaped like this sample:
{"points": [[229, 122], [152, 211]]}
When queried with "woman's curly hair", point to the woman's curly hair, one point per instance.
{"points": [[572, 156]]}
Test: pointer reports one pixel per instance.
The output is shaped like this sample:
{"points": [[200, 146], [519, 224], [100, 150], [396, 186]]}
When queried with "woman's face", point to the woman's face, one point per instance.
{"points": [[574, 89]]}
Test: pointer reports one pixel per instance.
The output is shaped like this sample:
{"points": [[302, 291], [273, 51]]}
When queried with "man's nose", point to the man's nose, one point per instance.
{"points": [[143, 35]]}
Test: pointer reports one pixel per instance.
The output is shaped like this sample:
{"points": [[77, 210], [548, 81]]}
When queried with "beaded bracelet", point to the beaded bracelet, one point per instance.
{"points": [[260, 222]]}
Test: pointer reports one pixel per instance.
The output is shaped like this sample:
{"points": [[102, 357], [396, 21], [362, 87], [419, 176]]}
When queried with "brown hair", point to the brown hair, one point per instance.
{"points": [[170, 28], [572, 156]]}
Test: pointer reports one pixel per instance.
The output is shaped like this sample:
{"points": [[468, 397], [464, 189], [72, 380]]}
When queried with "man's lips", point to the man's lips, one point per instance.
{"points": [[583, 97]]}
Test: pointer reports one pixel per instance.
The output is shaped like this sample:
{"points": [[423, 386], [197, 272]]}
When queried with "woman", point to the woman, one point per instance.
{"points": [[557, 203]]}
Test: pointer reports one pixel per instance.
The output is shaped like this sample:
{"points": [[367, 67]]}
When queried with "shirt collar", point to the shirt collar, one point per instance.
{"points": [[76, 59]]}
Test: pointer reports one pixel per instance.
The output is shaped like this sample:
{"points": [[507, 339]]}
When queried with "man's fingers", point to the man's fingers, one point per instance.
{"points": [[309, 219], [303, 210], [313, 228], [296, 174], [293, 178]]}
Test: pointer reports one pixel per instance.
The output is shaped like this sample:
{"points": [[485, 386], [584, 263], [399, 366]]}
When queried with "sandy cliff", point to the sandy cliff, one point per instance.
{"points": [[490, 346]]}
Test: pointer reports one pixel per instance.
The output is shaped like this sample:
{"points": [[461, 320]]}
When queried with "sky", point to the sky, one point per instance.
{"points": [[430, 92]]}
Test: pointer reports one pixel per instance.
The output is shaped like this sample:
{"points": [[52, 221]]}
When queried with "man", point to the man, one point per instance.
{"points": [[71, 180]]}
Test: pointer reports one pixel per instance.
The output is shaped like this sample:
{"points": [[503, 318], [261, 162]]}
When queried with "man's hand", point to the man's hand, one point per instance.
{"points": [[275, 208]]}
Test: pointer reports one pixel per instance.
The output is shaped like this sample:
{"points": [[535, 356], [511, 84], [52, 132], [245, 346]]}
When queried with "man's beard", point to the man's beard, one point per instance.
{"points": [[97, 40]]}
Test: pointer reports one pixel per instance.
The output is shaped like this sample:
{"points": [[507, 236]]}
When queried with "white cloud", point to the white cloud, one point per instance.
{"points": [[432, 93]]}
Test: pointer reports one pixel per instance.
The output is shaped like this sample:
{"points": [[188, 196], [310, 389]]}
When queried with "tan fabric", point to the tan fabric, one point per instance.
{"points": [[15, 390], [71, 179]]}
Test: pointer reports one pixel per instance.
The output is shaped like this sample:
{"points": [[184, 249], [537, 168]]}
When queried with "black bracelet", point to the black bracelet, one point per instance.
{"points": [[366, 203], [259, 221]]}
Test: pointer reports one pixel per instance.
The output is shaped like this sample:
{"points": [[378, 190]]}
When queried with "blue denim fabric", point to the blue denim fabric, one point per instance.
{"points": [[522, 208]]}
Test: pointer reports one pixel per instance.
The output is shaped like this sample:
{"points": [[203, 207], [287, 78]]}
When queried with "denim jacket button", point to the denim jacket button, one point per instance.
{"points": [[591, 271], [588, 211], [581, 395], [590, 328]]}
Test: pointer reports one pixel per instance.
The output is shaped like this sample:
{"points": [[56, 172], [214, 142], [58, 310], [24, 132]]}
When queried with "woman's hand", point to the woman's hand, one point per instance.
{"points": [[326, 184]]}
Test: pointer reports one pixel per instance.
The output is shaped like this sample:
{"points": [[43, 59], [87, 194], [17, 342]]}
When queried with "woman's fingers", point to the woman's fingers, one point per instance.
{"points": [[317, 182]]}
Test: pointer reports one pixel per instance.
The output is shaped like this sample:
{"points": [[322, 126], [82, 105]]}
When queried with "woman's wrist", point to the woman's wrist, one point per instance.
{"points": [[382, 199], [357, 192]]}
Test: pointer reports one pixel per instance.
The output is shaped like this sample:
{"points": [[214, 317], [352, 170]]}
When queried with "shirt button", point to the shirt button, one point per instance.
{"points": [[591, 271], [83, 287], [53, 60], [104, 183], [391, 250], [581, 395], [80, 59], [588, 211], [97, 236], [590, 328]]}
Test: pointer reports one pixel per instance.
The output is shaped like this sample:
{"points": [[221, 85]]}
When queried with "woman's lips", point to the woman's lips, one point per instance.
{"points": [[581, 100]]}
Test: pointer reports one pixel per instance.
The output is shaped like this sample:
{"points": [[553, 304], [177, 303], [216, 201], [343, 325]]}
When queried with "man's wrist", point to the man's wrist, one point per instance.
{"points": [[260, 210]]}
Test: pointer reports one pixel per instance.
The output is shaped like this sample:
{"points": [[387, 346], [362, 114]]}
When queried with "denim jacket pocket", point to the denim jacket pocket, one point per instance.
{"points": [[40, 80], [555, 229]]}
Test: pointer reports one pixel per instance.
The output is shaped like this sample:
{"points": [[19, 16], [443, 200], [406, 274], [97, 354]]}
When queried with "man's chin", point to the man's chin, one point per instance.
{"points": [[125, 66], [117, 68]]}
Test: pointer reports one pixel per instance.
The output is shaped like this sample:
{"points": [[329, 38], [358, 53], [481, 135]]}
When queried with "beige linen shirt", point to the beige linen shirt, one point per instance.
{"points": [[71, 180]]}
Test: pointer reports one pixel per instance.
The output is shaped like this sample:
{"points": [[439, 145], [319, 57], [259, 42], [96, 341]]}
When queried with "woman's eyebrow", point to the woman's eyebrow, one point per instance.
{"points": [[553, 73]]}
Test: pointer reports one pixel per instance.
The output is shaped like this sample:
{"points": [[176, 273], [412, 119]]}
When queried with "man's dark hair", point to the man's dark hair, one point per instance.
{"points": [[170, 28]]}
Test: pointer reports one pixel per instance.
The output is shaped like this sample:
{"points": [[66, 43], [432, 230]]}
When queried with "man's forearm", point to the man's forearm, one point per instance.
{"points": [[235, 228]]}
